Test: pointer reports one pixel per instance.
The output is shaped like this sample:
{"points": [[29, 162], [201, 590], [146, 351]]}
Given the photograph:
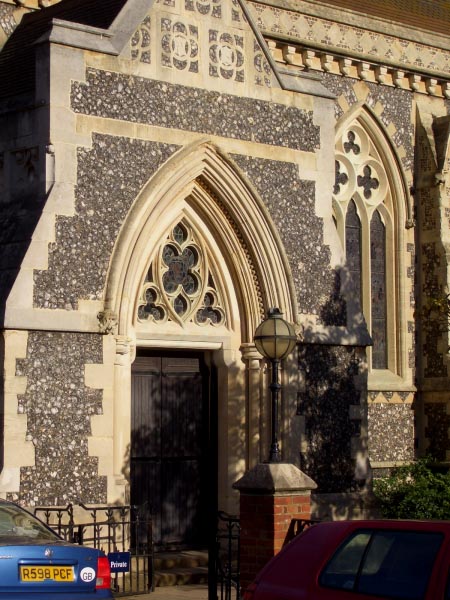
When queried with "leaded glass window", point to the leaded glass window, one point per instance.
{"points": [[353, 247], [363, 208], [180, 285], [378, 290]]}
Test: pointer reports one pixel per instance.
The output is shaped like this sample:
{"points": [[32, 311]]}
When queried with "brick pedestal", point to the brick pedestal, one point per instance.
{"points": [[271, 495]]}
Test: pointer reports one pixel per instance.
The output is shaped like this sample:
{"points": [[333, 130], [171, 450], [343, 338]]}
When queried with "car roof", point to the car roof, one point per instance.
{"points": [[387, 524], [324, 537]]}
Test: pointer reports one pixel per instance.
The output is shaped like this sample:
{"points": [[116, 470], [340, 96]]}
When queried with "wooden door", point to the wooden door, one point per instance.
{"points": [[170, 446]]}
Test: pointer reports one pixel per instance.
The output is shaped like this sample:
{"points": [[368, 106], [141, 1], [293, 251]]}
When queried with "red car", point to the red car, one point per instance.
{"points": [[360, 560]]}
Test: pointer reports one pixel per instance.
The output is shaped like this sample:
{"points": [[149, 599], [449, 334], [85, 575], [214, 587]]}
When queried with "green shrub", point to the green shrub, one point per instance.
{"points": [[415, 491]]}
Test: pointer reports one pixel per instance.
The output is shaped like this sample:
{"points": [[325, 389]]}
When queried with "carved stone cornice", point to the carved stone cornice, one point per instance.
{"points": [[319, 43], [294, 57]]}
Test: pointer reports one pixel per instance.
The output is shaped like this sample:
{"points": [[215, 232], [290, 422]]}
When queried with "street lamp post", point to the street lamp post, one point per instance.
{"points": [[275, 338]]}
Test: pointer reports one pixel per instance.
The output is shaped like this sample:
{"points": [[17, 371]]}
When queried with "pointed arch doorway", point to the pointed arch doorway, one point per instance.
{"points": [[173, 462], [196, 265]]}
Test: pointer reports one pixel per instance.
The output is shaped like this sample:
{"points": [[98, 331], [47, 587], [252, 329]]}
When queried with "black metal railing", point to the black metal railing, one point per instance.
{"points": [[111, 529], [298, 526], [227, 553], [227, 556]]}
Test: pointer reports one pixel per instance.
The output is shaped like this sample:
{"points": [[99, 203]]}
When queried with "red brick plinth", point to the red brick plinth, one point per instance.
{"points": [[271, 495]]}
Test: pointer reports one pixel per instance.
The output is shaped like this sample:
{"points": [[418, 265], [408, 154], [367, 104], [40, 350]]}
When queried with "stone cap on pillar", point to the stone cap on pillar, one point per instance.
{"points": [[273, 478]]}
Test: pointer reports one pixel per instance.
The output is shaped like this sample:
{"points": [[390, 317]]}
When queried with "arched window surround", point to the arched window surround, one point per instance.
{"points": [[392, 202]]}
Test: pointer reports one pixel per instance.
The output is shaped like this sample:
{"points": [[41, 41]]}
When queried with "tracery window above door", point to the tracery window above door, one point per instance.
{"points": [[363, 208], [180, 285]]}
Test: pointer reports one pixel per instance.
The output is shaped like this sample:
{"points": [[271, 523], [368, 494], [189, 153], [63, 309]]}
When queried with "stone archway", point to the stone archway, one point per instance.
{"points": [[201, 187]]}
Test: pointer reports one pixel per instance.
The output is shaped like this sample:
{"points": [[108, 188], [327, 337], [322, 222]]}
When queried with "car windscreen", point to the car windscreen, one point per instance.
{"points": [[18, 523], [385, 563]]}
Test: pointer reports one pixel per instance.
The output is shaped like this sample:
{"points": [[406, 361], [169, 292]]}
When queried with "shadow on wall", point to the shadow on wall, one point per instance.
{"points": [[176, 453], [431, 282], [23, 194], [168, 486], [333, 404]]}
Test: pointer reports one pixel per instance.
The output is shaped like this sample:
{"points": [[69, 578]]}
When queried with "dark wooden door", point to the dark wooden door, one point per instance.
{"points": [[170, 446]]}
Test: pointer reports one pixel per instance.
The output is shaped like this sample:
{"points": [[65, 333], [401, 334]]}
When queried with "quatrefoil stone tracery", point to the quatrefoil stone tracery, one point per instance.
{"points": [[358, 169], [179, 285]]}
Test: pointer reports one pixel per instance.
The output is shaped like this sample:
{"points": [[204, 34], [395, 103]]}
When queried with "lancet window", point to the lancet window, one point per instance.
{"points": [[364, 215]]}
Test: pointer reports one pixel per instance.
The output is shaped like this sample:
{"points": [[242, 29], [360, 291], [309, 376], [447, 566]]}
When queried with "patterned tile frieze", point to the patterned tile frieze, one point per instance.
{"points": [[110, 175], [390, 397], [141, 42], [139, 100], [179, 45], [349, 40], [226, 55], [59, 407], [205, 7], [286, 194]]}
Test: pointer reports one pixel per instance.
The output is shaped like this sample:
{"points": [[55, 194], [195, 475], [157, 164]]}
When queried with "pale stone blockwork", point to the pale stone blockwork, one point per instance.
{"points": [[169, 171]]}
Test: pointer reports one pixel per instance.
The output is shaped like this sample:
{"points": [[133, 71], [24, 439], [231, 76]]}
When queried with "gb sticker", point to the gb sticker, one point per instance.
{"points": [[87, 574]]}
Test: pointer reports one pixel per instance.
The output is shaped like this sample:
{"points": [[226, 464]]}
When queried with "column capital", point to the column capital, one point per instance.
{"points": [[250, 353]]}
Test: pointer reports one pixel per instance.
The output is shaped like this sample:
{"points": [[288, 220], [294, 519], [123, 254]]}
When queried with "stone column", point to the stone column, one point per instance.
{"points": [[255, 406], [125, 354], [271, 496]]}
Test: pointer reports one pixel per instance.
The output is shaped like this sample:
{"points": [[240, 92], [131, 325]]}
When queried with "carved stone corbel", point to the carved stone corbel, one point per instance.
{"points": [[107, 321]]}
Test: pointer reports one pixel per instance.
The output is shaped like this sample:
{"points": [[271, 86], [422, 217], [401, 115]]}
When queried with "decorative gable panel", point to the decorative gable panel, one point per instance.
{"points": [[208, 40]]}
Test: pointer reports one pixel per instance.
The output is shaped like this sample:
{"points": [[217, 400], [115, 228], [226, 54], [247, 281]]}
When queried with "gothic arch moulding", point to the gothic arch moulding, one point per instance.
{"points": [[201, 188], [364, 118], [373, 213]]}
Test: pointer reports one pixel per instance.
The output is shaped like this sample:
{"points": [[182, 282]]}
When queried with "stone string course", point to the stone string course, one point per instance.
{"points": [[59, 407], [139, 100]]}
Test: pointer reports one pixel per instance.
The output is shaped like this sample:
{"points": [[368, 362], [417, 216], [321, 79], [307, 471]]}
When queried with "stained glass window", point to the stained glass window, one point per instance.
{"points": [[364, 216], [353, 247], [378, 290]]}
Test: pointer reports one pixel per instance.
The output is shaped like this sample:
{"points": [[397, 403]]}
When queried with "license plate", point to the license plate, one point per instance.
{"points": [[62, 574]]}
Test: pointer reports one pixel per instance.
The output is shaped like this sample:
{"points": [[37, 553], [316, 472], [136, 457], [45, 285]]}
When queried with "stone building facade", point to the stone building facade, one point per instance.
{"points": [[170, 169]]}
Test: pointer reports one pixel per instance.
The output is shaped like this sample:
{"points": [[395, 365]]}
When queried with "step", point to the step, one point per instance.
{"points": [[181, 576], [184, 567]]}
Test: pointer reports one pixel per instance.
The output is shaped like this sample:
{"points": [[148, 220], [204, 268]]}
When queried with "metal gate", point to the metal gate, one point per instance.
{"points": [[111, 529]]}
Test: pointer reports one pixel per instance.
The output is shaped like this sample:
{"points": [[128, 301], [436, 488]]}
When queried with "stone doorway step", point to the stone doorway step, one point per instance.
{"points": [[184, 567]]}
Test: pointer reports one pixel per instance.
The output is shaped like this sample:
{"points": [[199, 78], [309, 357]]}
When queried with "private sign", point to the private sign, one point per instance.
{"points": [[119, 562]]}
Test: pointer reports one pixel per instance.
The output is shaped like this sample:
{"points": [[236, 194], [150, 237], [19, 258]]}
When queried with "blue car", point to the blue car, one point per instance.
{"points": [[36, 563]]}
